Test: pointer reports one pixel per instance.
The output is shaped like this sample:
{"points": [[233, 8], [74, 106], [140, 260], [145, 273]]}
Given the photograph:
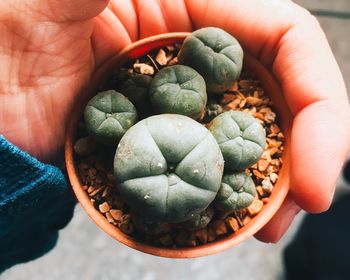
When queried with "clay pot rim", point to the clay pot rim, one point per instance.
{"points": [[275, 201]]}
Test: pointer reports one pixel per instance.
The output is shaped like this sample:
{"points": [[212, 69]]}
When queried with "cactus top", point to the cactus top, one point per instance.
{"points": [[241, 139], [216, 55], [169, 168], [179, 89], [108, 115]]}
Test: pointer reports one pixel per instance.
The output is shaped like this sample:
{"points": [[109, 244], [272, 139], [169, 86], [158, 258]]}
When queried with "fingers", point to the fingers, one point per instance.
{"points": [[320, 140], [258, 32], [292, 44], [109, 36], [125, 11], [314, 89], [161, 16], [278, 225], [133, 20], [67, 10]]}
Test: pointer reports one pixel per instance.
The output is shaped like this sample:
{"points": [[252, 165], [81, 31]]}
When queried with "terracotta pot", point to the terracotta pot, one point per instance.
{"points": [[278, 195]]}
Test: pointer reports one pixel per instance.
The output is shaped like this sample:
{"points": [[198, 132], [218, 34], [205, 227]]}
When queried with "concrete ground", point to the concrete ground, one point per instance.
{"points": [[85, 252]]}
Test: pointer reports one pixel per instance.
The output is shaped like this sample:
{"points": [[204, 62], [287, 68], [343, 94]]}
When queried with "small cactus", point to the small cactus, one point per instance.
{"points": [[168, 167], [200, 220], [241, 139], [108, 115], [180, 90], [214, 54], [136, 88], [237, 191], [213, 110]]}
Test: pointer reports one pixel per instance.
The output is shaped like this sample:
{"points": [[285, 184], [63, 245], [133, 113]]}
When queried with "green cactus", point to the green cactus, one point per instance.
{"points": [[241, 139], [200, 220], [213, 110], [216, 55], [108, 115], [136, 88], [237, 191], [180, 90], [169, 168]]}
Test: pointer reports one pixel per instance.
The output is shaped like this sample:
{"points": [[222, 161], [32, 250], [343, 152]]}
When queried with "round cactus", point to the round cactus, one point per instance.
{"points": [[169, 168], [180, 90], [108, 115], [237, 191], [241, 139], [216, 55], [200, 220], [136, 88], [213, 110], [150, 228]]}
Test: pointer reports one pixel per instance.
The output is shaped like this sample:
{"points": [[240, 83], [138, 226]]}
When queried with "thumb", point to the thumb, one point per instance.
{"points": [[69, 10]]}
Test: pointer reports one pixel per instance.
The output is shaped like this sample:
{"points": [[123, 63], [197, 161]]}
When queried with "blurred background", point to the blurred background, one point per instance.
{"points": [[85, 252]]}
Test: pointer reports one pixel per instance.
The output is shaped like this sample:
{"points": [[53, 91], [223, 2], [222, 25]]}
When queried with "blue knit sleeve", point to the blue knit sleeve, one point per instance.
{"points": [[35, 203]]}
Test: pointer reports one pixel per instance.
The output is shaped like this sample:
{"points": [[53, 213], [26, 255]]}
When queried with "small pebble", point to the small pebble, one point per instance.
{"points": [[253, 101], [255, 207], [161, 57], [104, 207], [219, 227], [144, 68], [116, 214], [267, 185], [232, 223], [273, 177], [202, 235]]}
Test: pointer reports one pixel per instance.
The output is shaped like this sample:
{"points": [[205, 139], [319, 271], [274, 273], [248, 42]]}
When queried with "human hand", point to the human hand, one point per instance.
{"points": [[65, 44], [48, 52], [290, 42]]}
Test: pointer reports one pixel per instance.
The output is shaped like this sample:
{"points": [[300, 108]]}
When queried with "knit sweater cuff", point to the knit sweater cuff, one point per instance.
{"points": [[35, 203], [21, 174]]}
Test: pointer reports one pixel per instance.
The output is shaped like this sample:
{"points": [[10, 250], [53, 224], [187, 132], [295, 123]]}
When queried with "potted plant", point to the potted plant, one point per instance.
{"points": [[149, 153]]}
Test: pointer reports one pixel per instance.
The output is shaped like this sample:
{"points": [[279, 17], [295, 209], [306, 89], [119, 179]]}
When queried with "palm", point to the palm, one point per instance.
{"points": [[47, 65], [41, 96]]}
